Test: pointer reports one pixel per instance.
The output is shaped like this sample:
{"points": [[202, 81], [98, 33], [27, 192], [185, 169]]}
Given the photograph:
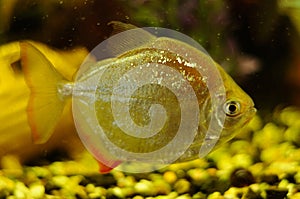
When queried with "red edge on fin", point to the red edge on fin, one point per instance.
{"points": [[106, 169], [29, 110]]}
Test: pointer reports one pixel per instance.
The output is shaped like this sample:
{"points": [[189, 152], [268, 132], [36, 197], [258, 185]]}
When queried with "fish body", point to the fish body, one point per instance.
{"points": [[154, 98]]}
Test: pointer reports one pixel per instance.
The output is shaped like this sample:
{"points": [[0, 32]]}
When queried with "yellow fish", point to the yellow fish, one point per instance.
{"points": [[292, 9], [14, 95], [154, 96]]}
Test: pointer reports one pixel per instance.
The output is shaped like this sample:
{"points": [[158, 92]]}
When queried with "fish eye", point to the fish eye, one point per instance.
{"points": [[232, 108]]}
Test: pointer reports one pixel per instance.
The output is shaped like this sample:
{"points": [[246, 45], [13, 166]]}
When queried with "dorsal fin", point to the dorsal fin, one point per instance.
{"points": [[130, 37], [120, 27]]}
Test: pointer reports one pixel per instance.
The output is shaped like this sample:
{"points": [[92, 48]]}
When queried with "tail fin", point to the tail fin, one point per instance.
{"points": [[44, 107]]}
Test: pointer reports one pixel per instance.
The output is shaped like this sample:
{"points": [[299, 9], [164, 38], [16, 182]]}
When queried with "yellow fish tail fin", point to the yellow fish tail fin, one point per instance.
{"points": [[45, 107]]}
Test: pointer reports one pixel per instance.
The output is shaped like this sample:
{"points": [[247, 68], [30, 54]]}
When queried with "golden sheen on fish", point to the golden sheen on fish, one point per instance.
{"points": [[148, 95]]}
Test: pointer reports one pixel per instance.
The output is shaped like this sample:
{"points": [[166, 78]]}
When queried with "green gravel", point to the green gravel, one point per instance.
{"points": [[262, 162]]}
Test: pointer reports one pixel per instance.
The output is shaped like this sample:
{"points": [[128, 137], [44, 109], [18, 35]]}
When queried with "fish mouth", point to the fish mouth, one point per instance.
{"points": [[249, 114], [253, 110]]}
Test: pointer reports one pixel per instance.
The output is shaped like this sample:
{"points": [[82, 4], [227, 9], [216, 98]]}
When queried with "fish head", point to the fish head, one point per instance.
{"points": [[238, 108], [220, 122]]}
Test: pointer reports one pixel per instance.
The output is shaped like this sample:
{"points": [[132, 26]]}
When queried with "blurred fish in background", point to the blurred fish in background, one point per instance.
{"points": [[14, 94], [291, 8]]}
